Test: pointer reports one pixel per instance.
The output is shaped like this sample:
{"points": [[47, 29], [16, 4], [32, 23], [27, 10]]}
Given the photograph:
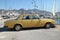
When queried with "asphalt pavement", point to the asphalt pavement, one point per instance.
{"points": [[31, 34]]}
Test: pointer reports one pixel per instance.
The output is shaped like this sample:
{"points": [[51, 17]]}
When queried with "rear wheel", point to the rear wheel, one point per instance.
{"points": [[17, 27]]}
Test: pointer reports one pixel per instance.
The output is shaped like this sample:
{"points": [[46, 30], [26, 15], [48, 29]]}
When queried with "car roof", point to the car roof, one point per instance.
{"points": [[28, 14]]}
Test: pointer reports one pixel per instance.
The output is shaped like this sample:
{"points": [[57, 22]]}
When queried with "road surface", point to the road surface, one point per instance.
{"points": [[34, 34]]}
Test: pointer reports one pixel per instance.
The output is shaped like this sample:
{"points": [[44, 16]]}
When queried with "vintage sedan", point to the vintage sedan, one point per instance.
{"points": [[29, 21]]}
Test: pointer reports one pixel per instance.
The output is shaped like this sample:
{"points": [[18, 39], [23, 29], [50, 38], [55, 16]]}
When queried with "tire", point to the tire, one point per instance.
{"points": [[47, 25], [52, 26], [17, 27]]}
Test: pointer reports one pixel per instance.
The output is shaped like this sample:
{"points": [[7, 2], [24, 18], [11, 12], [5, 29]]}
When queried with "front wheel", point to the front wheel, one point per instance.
{"points": [[48, 25], [17, 27]]}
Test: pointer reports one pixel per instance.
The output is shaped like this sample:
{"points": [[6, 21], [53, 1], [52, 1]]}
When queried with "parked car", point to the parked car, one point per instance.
{"points": [[28, 21], [5, 17]]}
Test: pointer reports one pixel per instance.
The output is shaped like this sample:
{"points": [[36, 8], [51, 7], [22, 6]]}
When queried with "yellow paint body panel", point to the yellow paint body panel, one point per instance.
{"points": [[28, 22]]}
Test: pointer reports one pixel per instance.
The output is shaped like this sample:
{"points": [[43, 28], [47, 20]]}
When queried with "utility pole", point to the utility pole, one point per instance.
{"points": [[42, 5], [2, 12], [5, 4], [54, 7], [34, 5]]}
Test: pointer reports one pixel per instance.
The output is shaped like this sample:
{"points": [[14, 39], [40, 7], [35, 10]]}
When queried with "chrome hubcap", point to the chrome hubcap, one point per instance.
{"points": [[17, 27], [47, 25]]}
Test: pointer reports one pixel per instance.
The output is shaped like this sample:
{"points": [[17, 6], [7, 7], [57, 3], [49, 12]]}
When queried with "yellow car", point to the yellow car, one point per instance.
{"points": [[29, 21]]}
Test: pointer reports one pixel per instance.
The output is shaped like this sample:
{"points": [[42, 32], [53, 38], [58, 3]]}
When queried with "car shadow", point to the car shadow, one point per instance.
{"points": [[33, 28], [4, 29], [25, 29]]}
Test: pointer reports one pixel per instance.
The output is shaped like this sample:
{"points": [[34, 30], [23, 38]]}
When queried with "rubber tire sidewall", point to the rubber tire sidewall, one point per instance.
{"points": [[47, 24], [16, 26]]}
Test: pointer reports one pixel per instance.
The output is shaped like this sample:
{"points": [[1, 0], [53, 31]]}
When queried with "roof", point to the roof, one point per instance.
{"points": [[29, 14]]}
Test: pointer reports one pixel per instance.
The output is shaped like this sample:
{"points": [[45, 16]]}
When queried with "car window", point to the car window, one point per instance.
{"points": [[33, 17], [36, 17], [25, 17]]}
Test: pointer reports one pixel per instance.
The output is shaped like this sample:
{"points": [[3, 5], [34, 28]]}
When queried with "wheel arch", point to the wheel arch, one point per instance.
{"points": [[17, 24], [47, 23]]}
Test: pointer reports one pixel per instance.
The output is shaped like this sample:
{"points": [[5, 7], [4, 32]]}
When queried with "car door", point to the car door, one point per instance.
{"points": [[34, 21], [26, 21]]}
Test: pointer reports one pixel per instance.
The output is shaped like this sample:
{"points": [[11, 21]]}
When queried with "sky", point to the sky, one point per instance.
{"points": [[27, 4]]}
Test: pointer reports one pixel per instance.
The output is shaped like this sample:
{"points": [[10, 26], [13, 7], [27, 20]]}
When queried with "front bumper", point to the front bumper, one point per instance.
{"points": [[53, 26]]}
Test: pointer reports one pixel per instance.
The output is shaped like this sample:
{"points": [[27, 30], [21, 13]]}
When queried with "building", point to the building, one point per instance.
{"points": [[57, 14]]}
